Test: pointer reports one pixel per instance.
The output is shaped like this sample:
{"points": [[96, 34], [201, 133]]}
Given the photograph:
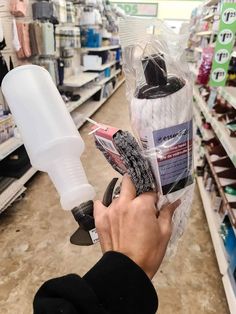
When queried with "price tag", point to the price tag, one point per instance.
{"points": [[94, 236]]}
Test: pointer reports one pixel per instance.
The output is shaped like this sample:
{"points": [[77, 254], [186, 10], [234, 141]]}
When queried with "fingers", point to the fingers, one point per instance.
{"points": [[148, 198], [168, 210], [103, 226], [128, 191]]}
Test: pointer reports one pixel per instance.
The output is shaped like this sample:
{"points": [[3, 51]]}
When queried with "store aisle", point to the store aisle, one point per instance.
{"points": [[34, 241]]}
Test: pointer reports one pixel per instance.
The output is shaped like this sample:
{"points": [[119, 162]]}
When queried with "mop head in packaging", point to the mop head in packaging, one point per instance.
{"points": [[159, 90]]}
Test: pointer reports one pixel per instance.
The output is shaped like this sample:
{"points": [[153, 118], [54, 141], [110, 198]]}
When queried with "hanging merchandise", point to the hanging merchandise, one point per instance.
{"points": [[67, 37], [18, 8], [42, 10], [60, 8], [15, 38], [24, 40], [48, 41], [70, 10], [3, 68], [88, 17], [160, 93], [2, 38], [11, 65], [60, 66]]}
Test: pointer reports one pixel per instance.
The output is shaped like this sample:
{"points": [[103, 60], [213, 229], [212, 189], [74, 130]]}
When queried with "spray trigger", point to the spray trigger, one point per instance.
{"points": [[86, 233]]}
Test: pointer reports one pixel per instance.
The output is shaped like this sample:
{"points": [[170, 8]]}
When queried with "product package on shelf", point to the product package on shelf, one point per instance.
{"points": [[159, 89]]}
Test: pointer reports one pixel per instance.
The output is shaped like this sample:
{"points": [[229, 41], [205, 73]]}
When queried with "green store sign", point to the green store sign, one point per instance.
{"points": [[224, 45], [138, 9]]}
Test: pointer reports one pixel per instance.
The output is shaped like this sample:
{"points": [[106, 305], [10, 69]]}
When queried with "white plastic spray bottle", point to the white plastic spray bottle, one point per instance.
{"points": [[51, 139]]}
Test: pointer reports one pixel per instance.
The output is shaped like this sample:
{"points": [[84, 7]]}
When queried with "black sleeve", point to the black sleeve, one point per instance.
{"points": [[115, 285]]}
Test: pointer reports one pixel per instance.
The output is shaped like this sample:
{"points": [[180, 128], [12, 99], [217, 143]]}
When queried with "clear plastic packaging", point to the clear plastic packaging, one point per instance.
{"points": [[50, 136], [159, 89]]}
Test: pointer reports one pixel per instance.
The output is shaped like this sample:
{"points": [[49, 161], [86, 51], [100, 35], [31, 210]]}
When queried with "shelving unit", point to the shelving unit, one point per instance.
{"points": [[104, 48], [231, 292], [80, 80], [85, 94], [107, 79], [213, 223], [102, 67], [9, 146], [208, 17], [210, 2], [229, 94], [228, 142], [90, 107], [204, 33], [14, 190]]}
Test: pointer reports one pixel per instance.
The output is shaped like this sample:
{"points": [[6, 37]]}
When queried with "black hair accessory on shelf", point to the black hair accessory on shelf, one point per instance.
{"points": [[158, 83]]}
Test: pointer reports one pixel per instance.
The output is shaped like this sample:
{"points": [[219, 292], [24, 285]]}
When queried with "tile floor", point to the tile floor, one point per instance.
{"points": [[34, 241]]}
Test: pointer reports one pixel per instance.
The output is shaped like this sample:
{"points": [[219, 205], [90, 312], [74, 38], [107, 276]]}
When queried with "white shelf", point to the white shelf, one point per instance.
{"points": [[102, 48], [92, 106], [227, 142], [208, 17], [198, 49], [85, 94], [229, 94], [213, 223], [102, 67], [80, 79], [106, 79], [204, 33], [207, 134], [210, 2], [230, 292], [15, 189], [9, 146]]}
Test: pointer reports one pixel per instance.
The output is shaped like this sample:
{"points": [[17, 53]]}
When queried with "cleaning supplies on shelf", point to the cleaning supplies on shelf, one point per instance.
{"points": [[40, 113]]}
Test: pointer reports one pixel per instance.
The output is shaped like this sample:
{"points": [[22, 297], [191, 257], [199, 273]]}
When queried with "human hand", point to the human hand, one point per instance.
{"points": [[130, 226]]}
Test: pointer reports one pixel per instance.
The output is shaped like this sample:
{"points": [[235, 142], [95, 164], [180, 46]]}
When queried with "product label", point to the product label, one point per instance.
{"points": [[173, 147], [105, 137], [94, 235]]}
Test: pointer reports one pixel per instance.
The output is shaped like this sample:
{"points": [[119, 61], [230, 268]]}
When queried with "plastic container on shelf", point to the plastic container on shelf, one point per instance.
{"points": [[51, 139]]}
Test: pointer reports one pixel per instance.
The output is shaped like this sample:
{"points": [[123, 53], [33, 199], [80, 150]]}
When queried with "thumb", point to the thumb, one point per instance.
{"points": [[103, 226], [168, 210]]}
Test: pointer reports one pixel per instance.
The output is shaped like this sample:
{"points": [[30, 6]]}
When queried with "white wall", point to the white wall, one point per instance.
{"points": [[168, 9]]}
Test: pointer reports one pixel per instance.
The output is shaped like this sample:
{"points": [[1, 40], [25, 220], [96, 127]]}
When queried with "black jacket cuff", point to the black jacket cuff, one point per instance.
{"points": [[122, 286]]}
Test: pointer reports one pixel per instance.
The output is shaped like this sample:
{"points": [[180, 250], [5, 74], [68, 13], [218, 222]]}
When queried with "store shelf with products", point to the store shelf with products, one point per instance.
{"points": [[209, 17], [228, 142], [80, 79], [222, 193], [102, 67], [230, 289], [210, 2], [9, 146], [106, 79], [14, 190], [104, 48], [204, 33], [198, 49], [214, 224], [90, 107], [85, 94], [229, 94]]}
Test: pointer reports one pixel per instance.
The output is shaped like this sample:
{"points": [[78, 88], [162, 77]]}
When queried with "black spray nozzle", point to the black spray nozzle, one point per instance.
{"points": [[155, 72]]}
